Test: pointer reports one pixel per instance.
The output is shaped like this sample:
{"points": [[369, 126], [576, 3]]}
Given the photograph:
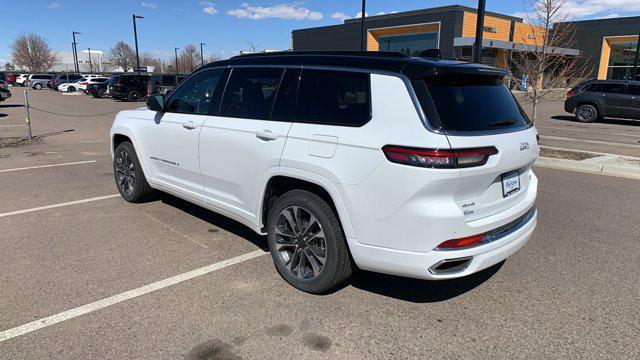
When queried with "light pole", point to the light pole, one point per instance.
{"points": [[90, 63], [135, 36], [75, 51], [202, 54], [477, 45], [362, 35], [175, 49]]}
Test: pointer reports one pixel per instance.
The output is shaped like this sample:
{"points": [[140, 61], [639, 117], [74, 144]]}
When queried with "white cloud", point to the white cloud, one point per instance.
{"points": [[611, 16], [281, 11], [208, 8], [149, 5], [340, 16], [54, 5]]}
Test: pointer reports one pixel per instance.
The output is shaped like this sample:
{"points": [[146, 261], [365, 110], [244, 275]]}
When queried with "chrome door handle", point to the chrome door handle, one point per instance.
{"points": [[189, 125], [267, 135]]}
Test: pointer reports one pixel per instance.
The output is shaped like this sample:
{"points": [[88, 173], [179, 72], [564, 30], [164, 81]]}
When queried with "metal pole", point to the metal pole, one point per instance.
{"points": [[175, 49], [477, 45], [202, 54], [27, 117], [75, 50], [90, 63], [635, 61], [363, 42], [135, 35]]}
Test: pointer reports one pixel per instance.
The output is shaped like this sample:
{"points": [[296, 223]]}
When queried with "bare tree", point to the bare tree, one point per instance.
{"points": [[122, 55], [189, 59], [548, 63], [253, 48], [32, 51], [148, 59]]}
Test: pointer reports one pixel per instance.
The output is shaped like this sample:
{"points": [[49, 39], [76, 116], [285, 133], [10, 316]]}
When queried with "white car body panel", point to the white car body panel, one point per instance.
{"points": [[393, 215]]}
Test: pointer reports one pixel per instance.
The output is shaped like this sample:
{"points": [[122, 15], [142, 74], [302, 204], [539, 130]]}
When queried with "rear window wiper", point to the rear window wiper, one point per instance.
{"points": [[505, 122]]}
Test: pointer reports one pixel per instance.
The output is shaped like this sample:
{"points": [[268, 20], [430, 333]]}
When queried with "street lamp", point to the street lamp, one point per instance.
{"points": [[477, 45], [75, 51], [175, 49], [135, 35], [362, 36], [202, 54]]}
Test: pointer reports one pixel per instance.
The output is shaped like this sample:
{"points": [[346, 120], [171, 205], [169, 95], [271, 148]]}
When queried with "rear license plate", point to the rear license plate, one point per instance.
{"points": [[510, 183]]}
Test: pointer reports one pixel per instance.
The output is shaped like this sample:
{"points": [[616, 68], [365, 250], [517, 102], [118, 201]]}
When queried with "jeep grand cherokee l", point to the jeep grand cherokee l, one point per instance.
{"points": [[408, 166]]}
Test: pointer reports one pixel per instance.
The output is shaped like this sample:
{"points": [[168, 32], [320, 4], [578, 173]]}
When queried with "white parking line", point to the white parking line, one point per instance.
{"points": [[115, 299], [48, 166], [590, 141], [2, 126], [602, 131], [47, 207]]}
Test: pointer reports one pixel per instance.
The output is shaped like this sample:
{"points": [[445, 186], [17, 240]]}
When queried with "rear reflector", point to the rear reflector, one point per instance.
{"points": [[462, 243], [434, 158], [571, 94]]}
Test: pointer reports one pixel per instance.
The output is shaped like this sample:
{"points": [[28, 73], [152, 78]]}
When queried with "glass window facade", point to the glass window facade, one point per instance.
{"points": [[621, 60], [411, 45]]}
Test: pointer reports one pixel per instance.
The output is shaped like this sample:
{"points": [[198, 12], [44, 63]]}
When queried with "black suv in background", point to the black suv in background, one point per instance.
{"points": [[163, 83], [129, 87], [596, 99]]}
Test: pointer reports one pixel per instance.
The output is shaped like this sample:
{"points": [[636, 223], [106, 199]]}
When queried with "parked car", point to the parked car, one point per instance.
{"points": [[21, 79], [401, 165], [163, 83], [4, 94], [84, 82], [129, 87], [4, 85], [99, 89], [11, 79], [38, 81], [112, 81], [63, 79], [597, 99]]}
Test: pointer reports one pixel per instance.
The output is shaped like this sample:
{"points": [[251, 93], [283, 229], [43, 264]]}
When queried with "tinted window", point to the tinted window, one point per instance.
{"points": [[284, 107], [198, 95], [465, 102], [634, 89], [607, 88], [250, 93], [334, 98], [168, 80]]}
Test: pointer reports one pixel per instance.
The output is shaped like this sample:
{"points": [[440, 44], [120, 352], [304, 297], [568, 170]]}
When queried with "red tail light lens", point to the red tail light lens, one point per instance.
{"points": [[462, 243], [571, 94], [441, 159], [84, 83]]}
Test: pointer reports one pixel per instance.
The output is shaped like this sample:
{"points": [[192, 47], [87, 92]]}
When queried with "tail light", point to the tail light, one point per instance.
{"points": [[462, 242], [84, 83], [571, 94], [441, 159]]}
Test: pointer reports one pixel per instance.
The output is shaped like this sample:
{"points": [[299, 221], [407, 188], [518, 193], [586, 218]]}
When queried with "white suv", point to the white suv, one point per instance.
{"points": [[408, 166]]}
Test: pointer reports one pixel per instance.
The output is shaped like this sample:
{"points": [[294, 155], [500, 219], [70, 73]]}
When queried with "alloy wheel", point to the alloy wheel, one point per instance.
{"points": [[300, 243], [125, 173], [586, 113]]}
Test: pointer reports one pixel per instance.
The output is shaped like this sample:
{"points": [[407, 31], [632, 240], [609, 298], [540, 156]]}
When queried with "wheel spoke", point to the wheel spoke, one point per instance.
{"points": [[292, 223], [280, 232], [297, 217], [316, 267], [302, 265], [312, 223], [294, 260], [318, 254]]}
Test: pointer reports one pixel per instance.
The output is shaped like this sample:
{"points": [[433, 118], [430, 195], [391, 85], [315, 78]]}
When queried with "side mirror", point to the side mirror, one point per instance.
{"points": [[156, 103]]}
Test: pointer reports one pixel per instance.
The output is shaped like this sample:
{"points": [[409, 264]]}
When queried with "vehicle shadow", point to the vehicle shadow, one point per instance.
{"points": [[420, 291], [214, 219], [11, 105], [3, 115], [605, 120]]}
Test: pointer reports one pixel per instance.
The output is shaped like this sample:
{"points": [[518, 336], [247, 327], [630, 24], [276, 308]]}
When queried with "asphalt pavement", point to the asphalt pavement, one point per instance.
{"points": [[86, 275]]}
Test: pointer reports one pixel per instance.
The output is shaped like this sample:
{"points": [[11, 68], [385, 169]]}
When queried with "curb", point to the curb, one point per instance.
{"points": [[589, 167]]}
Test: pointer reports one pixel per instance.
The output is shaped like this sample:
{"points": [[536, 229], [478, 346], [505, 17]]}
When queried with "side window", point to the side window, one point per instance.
{"points": [[607, 88], [250, 93], [168, 80], [285, 105], [334, 98], [634, 89], [198, 95]]}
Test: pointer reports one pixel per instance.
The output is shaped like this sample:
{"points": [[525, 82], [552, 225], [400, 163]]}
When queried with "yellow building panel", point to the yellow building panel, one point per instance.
{"points": [[528, 34], [374, 34], [502, 27], [606, 52]]}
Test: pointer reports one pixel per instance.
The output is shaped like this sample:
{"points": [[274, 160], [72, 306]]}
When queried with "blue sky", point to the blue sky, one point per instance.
{"points": [[224, 25]]}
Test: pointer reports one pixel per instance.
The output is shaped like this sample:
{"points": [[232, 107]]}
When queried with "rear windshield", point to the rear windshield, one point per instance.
{"points": [[472, 103]]}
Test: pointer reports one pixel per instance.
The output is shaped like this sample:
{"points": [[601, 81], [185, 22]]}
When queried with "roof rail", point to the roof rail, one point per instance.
{"points": [[373, 54]]}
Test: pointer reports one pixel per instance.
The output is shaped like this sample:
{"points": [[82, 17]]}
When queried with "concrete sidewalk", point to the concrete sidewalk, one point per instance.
{"points": [[600, 163]]}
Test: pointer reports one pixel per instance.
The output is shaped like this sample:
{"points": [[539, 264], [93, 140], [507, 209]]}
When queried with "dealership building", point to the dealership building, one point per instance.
{"points": [[607, 46]]}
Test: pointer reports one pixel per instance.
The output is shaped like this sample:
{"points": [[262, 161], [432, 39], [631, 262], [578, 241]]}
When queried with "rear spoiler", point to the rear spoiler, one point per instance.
{"points": [[463, 68]]}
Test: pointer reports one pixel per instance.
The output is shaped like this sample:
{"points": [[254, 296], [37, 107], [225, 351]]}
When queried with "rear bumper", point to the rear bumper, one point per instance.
{"points": [[424, 265], [569, 106]]}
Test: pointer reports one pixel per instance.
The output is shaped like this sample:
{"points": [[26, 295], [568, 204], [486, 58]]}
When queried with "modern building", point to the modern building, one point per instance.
{"points": [[65, 61], [605, 45]]}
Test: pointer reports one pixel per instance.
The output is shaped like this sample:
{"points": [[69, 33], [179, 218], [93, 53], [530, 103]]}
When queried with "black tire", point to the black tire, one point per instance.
{"points": [[37, 86], [102, 93], [71, 89], [337, 267], [133, 96], [587, 113], [130, 179]]}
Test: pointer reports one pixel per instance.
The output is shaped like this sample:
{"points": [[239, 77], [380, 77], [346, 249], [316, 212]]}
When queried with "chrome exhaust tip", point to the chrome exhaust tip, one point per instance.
{"points": [[450, 266]]}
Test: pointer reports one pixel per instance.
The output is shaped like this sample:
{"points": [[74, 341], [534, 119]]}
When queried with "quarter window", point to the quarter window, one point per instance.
{"points": [[250, 93], [610, 88], [634, 89], [198, 95], [334, 98], [284, 108]]}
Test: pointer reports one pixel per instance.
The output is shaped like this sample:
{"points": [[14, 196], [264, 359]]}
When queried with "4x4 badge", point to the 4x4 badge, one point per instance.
{"points": [[524, 146]]}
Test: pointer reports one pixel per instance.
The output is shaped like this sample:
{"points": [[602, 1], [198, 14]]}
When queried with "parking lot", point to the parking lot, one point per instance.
{"points": [[87, 275]]}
